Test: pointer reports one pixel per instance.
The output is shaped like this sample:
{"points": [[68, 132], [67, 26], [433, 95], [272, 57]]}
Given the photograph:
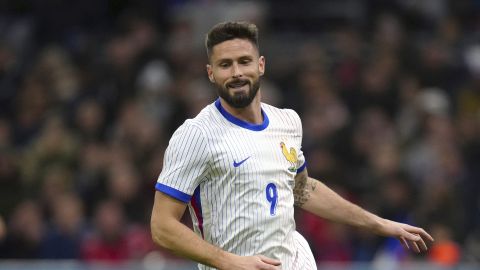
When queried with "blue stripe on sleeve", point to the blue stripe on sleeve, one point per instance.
{"points": [[177, 194], [299, 170]]}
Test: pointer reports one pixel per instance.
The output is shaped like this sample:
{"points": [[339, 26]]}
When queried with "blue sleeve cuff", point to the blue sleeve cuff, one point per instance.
{"points": [[299, 170], [177, 194]]}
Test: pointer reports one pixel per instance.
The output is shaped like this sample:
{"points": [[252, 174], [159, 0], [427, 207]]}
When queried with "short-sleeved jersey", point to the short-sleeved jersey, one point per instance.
{"points": [[238, 180]]}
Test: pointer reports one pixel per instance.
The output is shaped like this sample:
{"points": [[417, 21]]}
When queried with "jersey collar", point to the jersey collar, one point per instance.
{"points": [[240, 122]]}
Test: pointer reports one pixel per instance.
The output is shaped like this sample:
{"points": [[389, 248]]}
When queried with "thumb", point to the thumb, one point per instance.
{"points": [[269, 260]]}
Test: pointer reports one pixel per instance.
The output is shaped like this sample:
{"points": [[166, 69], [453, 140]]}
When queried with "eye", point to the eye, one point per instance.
{"points": [[245, 61], [224, 64]]}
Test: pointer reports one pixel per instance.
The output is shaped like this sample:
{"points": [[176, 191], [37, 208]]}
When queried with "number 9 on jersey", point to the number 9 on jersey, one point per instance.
{"points": [[272, 197]]}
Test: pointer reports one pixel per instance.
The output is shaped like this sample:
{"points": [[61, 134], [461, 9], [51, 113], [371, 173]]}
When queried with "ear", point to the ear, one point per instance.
{"points": [[210, 73], [261, 65]]}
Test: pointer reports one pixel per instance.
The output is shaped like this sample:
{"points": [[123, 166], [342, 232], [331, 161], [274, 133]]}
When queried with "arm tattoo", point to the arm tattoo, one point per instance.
{"points": [[303, 188]]}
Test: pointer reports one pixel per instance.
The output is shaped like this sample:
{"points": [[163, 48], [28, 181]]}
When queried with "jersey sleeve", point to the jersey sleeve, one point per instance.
{"points": [[184, 164], [301, 162]]}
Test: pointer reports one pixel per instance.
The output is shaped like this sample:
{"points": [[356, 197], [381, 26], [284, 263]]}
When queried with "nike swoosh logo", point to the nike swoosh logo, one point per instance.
{"points": [[235, 164]]}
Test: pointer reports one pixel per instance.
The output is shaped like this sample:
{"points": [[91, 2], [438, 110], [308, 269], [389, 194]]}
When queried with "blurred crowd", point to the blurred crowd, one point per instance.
{"points": [[90, 93]]}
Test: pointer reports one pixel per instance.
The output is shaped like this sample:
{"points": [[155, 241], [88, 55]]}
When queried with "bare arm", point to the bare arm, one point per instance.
{"points": [[170, 233], [315, 197]]}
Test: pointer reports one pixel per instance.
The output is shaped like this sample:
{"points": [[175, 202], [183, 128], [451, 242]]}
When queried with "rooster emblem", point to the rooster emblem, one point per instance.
{"points": [[291, 156]]}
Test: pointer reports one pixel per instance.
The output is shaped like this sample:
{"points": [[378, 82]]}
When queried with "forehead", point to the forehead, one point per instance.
{"points": [[233, 48]]}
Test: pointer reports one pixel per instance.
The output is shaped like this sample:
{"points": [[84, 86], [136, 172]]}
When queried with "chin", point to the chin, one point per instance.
{"points": [[240, 93]]}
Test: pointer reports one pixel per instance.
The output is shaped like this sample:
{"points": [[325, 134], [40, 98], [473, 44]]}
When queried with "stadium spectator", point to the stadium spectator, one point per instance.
{"points": [[65, 229]]}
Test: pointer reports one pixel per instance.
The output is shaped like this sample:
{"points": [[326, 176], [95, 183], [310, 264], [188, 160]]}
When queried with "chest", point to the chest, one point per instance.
{"points": [[245, 156]]}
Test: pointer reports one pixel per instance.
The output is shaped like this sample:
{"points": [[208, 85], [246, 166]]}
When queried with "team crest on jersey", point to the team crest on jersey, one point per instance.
{"points": [[290, 155]]}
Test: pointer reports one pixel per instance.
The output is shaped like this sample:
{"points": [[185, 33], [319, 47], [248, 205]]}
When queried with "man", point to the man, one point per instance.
{"points": [[239, 166]]}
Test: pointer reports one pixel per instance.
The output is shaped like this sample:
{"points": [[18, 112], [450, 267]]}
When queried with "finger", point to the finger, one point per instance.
{"points": [[424, 235], [415, 246], [404, 243], [268, 267], [269, 260], [422, 245], [420, 231], [411, 237]]}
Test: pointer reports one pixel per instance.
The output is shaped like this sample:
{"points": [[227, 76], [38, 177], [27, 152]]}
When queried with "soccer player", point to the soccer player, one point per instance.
{"points": [[239, 167]]}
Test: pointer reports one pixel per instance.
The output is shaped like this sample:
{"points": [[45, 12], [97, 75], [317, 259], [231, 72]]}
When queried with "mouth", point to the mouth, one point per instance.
{"points": [[237, 85]]}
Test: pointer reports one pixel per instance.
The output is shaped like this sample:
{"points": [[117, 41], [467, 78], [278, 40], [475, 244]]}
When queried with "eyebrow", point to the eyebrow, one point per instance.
{"points": [[223, 60], [245, 57]]}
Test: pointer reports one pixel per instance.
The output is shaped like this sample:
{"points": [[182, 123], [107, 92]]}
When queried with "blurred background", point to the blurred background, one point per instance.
{"points": [[91, 91]]}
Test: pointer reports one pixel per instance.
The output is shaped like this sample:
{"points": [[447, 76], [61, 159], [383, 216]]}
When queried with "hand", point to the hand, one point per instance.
{"points": [[257, 262], [410, 236]]}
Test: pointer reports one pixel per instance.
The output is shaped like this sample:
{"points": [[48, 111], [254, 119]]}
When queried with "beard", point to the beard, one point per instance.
{"points": [[239, 100]]}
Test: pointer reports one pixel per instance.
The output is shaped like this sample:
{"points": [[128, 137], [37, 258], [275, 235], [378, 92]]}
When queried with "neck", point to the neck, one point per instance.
{"points": [[251, 114]]}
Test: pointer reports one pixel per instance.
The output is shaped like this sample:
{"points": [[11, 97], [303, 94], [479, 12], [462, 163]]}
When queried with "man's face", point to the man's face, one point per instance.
{"points": [[235, 68]]}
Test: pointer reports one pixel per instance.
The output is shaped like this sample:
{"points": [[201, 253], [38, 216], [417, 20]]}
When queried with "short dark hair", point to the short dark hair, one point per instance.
{"points": [[230, 30]]}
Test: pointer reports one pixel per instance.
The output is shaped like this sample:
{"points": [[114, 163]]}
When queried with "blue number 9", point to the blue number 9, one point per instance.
{"points": [[272, 197]]}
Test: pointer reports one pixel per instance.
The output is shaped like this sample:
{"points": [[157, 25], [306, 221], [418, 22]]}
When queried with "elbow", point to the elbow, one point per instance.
{"points": [[159, 232]]}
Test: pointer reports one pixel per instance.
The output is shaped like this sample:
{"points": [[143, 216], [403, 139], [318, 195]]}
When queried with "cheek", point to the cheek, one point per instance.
{"points": [[254, 71], [220, 76], [254, 75]]}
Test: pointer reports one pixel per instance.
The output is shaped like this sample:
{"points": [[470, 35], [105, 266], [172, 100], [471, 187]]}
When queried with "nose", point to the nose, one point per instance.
{"points": [[236, 71]]}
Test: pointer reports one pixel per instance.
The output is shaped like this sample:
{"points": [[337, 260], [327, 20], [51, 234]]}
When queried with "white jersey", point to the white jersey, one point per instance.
{"points": [[238, 180]]}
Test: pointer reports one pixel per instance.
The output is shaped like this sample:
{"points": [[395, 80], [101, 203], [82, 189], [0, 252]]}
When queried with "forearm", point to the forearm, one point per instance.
{"points": [[181, 240], [315, 197], [324, 202], [170, 233]]}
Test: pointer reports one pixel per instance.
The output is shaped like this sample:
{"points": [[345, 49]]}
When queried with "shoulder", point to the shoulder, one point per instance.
{"points": [[204, 119], [282, 114]]}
